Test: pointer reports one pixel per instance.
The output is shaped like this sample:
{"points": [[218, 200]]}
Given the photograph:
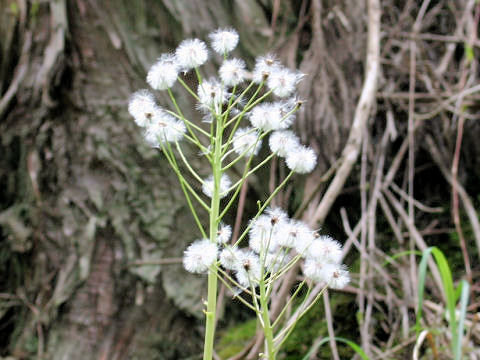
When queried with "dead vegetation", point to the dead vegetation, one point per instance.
{"points": [[391, 107]]}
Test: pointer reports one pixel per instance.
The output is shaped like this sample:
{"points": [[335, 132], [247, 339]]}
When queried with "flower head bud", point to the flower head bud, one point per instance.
{"points": [[210, 93], [326, 249], [224, 40], [277, 215], [340, 278], [335, 275], [248, 269], [231, 257]]}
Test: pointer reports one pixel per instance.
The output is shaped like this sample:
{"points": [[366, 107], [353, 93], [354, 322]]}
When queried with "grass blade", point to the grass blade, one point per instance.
{"points": [[350, 343], [457, 351]]}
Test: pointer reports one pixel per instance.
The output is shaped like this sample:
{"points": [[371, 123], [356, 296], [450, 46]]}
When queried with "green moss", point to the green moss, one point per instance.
{"points": [[313, 325], [235, 338], [308, 329]]}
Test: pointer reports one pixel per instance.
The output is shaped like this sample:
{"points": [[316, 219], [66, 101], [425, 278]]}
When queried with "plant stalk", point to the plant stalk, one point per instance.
{"points": [[214, 221], [267, 327]]}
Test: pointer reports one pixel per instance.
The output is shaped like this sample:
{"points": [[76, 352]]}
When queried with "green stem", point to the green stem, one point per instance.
{"points": [[213, 273], [279, 317], [199, 77], [187, 164], [198, 128], [267, 327], [180, 80]]}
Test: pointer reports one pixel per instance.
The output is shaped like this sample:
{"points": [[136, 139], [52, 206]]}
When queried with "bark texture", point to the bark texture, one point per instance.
{"points": [[84, 202]]}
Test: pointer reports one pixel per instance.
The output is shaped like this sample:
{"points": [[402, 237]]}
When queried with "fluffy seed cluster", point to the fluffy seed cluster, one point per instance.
{"points": [[158, 126], [275, 241], [215, 93]]}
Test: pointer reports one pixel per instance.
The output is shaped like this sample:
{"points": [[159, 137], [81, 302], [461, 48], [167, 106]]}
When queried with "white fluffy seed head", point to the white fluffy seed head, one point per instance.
{"points": [[211, 94], [142, 107], [248, 270], [283, 81], [277, 216], [340, 278], [208, 185], [283, 142], [312, 269], [304, 237], [264, 66], [319, 271], [267, 117], [191, 53], [264, 230], [301, 160], [246, 141], [199, 256], [232, 72], [326, 249], [224, 40], [224, 233], [230, 257], [163, 128], [163, 73]]}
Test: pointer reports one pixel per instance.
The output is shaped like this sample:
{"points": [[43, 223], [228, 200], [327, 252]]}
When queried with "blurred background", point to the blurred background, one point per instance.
{"points": [[93, 223]]}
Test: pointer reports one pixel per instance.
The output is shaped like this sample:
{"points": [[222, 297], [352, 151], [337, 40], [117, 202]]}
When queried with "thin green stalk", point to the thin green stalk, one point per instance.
{"points": [[285, 333], [239, 182], [248, 107], [174, 101], [279, 317], [239, 118], [196, 127], [213, 273], [254, 299], [180, 80], [244, 302], [183, 180], [287, 267], [267, 327], [265, 204], [187, 196], [187, 164], [199, 77], [237, 100]]}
